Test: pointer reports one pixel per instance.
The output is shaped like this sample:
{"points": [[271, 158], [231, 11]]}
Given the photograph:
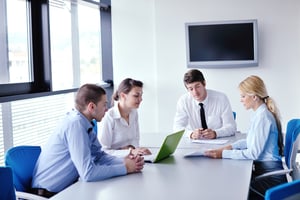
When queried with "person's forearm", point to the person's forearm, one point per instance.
{"points": [[228, 147]]}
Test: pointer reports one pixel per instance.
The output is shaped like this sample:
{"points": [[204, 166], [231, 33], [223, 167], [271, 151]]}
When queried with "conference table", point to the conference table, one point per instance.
{"points": [[176, 177]]}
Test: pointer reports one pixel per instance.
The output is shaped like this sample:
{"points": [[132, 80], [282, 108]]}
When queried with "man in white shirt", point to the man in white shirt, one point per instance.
{"points": [[218, 120]]}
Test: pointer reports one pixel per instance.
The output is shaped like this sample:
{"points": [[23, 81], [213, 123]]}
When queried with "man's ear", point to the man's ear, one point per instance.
{"points": [[91, 106], [204, 83]]}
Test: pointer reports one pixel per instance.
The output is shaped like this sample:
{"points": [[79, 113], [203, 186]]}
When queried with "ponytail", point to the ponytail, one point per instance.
{"points": [[273, 109]]}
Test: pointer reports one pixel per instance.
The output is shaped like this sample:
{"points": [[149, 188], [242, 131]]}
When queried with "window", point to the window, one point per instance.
{"points": [[18, 69], [43, 63], [57, 47], [75, 51]]}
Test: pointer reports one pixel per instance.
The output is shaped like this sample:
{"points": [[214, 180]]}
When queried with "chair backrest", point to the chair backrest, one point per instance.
{"points": [[234, 115], [292, 143], [292, 132], [7, 189], [22, 160], [288, 190], [95, 127]]}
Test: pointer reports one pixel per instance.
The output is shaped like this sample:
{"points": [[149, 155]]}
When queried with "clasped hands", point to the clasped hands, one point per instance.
{"points": [[203, 134], [135, 161]]}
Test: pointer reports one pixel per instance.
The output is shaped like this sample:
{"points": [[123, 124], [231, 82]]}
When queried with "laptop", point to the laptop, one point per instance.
{"points": [[167, 148]]}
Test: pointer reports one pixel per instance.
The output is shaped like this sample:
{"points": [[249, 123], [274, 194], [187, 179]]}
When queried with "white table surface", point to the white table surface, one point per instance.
{"points": [[174, 178], [156, 139]]}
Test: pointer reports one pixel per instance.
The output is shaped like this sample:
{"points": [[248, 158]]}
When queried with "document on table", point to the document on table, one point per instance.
{"points": [[195, 153], [210, 141]]}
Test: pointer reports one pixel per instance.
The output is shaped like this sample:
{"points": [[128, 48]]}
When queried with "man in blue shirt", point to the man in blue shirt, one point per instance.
{"points": [[73, 150]]}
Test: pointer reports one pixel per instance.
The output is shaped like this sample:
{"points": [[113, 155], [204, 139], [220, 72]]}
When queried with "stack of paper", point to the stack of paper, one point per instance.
{"points": [[210, 141]]}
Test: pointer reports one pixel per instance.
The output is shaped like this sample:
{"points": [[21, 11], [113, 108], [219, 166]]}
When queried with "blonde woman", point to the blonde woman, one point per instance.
{"points": [[264, 142]]}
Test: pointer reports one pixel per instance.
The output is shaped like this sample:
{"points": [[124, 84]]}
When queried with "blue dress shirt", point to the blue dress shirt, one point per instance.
{"points": [[74, 151], [261, 141]]}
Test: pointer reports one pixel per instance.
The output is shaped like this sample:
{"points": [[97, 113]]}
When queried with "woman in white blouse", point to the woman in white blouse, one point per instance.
{"points": [[264, 142], [118, 131]]}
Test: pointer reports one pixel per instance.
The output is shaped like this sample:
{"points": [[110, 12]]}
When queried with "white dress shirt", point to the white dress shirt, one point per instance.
{"points": [[218, 114], [114, 132], [261, 141]]}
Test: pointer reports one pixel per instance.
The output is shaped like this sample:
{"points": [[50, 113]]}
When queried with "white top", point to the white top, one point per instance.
{"points": [[114, 132], [261, 141], [218, 114]]}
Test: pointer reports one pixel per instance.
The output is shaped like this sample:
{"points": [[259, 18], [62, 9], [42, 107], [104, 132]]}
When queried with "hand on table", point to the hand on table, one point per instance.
{"points": [[203, 134], [140, 151], [134, 163]]}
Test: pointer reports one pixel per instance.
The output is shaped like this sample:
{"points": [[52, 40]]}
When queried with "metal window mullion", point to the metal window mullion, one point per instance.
{"points": [[40, 44], [4, 64], [106, 46], [75, 44], [7, 126]]}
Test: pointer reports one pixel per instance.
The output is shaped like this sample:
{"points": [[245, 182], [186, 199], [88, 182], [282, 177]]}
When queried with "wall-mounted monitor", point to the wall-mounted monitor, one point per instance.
{"points": [[222, 44]]}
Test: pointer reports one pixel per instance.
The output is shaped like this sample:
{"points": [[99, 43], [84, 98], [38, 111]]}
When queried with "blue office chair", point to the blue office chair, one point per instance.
{"points": [[292, 141], [7, 189], [289, 190], [22, 160]]}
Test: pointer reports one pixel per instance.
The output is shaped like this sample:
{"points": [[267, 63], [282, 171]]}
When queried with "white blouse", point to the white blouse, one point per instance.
{"points": [[114, 132]]}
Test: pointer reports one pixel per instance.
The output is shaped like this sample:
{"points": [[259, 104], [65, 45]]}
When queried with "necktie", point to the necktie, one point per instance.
{"points": [[202, 115]]}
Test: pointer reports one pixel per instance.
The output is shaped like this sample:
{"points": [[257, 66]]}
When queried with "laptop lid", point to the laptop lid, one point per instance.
{"points": [[169, 146]]}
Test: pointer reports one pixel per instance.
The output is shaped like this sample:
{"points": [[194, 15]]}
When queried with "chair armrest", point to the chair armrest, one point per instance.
{"points": [[268, 174], [29, 196]]}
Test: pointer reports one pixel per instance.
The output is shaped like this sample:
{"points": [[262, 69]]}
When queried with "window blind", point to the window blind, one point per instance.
{"points": [[33, 120]]}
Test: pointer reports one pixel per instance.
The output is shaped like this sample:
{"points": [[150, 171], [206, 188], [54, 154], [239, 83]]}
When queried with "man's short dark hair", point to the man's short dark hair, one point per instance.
{"points": [[88, 93], [193, 75]]}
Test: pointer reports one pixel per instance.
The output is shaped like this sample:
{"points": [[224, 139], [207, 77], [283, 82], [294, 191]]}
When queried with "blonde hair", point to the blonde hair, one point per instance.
{"points": [[254, 85]]}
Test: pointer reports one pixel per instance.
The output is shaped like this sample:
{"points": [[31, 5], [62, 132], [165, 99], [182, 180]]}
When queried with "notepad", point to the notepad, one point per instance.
{"points": [[210, 141], [195, 153]]}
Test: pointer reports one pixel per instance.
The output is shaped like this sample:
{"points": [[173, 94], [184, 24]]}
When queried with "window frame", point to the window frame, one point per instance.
{"points": [[39, 39]]}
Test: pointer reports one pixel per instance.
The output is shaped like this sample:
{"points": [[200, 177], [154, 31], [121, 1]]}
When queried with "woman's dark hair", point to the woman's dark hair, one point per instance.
{"points": [[125, 86], [88, 93], [193, 75]]}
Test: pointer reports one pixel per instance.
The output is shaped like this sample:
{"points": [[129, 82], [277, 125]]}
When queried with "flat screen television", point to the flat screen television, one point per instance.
{"points": [[222, 44]]}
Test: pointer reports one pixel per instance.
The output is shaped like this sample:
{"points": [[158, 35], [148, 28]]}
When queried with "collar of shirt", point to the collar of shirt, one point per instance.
{"points": [[87, 124], [115, 111], [260, 109], [205, 101]]}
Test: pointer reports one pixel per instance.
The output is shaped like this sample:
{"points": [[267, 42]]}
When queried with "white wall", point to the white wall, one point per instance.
{"points": [[149, 45]]}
